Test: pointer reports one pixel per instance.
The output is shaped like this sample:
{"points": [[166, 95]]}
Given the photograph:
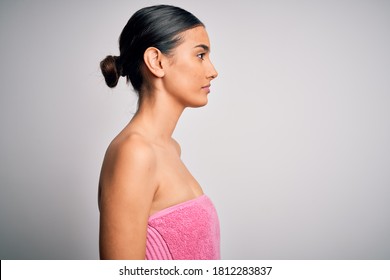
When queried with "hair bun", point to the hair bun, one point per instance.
{"points": [[111, 70]]}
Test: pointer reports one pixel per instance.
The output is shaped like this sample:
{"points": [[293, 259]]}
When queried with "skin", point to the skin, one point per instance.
{"points": [[142, 172]]}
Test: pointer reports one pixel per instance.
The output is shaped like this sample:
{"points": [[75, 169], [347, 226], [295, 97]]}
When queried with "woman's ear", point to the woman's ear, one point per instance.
{"points": [[152, 59]]}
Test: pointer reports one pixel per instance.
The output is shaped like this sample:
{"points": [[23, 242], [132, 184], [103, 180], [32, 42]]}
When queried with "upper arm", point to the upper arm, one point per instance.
{"points": [[127, 187]]}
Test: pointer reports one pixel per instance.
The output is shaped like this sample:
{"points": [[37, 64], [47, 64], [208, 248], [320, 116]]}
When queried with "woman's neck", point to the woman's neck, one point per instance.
{"points": [[157, 116]]}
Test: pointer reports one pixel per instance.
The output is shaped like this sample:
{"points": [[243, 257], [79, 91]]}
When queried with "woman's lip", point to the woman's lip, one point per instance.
{"points": [[207, 88]]}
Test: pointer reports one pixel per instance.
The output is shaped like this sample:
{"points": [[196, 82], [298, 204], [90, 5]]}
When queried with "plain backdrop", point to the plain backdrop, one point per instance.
{"points": [[293, 147]]}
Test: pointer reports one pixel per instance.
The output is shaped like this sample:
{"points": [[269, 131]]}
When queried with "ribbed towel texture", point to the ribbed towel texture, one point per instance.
{"points": [[186, 231]]}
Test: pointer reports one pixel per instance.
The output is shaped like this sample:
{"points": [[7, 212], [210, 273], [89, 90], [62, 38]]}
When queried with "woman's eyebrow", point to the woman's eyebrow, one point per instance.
{"points": [[204, 47]]}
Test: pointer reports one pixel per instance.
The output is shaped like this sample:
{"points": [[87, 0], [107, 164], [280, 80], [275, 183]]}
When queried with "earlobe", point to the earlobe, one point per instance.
{"points": [[152, 59]]}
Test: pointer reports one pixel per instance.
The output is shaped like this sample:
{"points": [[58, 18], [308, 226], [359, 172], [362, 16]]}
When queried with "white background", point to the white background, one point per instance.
{"points": [[293, 147]]}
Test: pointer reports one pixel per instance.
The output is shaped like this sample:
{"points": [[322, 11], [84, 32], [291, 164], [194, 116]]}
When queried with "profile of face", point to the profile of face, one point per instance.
{"points": [[188, 71]]}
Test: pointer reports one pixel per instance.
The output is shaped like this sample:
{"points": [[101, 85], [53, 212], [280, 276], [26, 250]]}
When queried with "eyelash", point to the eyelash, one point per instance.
{"points": [[201, 56]]}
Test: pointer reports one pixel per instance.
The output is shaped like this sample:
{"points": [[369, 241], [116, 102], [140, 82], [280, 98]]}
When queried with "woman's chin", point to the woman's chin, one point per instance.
{"points": [[200, 103]]}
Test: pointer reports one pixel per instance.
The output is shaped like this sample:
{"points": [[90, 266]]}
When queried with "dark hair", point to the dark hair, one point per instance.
{"points": [[156, 26]]}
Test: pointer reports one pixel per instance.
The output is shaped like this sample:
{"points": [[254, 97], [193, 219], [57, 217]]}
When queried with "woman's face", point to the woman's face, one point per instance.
{"points": [[190, 71]]}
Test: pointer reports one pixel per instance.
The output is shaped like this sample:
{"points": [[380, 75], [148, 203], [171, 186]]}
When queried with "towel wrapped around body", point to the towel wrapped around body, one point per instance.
{"points": [[186, 231]]}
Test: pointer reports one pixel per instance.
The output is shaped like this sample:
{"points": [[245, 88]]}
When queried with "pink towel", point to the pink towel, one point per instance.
{"points": [[186, 231]]}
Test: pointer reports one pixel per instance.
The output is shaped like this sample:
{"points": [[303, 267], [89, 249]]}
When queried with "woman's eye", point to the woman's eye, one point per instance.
{"points": [[201, 56]]}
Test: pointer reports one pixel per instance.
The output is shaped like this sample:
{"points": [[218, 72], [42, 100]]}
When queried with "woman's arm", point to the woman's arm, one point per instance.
{"points": [[127, 186]]}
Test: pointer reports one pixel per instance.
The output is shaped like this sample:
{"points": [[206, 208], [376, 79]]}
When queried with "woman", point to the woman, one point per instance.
{"points": [[150, 205]]}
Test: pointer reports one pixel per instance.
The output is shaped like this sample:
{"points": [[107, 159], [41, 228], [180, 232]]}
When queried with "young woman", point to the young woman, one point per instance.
{"points": [[151, 207]]}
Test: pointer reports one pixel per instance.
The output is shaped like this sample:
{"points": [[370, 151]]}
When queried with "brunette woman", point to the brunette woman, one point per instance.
{"points": [[151, 207]]}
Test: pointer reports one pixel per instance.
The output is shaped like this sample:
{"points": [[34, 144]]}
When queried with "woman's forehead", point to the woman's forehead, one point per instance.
{"points": [[196, 37]]}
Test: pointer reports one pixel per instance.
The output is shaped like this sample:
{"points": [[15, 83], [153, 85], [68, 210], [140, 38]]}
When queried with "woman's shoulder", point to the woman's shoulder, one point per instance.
{"points": [[132, 146], [129, 166]]}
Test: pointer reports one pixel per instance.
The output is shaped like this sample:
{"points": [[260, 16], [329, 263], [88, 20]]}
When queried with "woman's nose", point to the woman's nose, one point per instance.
{"points": [[213, 72]]}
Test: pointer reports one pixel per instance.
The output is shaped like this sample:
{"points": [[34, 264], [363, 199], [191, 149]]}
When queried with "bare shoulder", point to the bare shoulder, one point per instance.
{"points": [[126, 190], [130, 165], [177, 146], [131, 148]]}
